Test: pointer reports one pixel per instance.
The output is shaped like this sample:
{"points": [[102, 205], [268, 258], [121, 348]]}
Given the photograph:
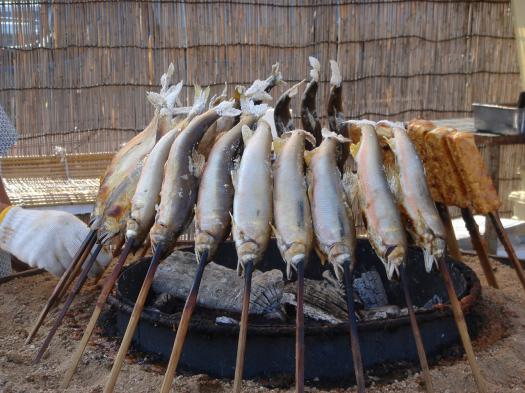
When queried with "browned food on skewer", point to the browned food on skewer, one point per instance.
{"points": [[471, 167], [127, 158], [119, 205], [182, 170]]}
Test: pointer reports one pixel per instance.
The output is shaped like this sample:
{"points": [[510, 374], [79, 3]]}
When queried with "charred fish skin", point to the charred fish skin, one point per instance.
{"points": [[215, 198], [309, 118], [423, 220], [292, 216], [332, 218], [181, 176], [252, 202], [377, 204]]}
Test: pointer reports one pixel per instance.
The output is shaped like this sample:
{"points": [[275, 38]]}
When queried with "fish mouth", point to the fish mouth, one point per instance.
{"points": [[394, 257]]}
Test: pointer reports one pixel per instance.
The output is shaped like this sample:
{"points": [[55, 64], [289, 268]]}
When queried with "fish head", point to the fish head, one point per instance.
{"points": [[204, 242], [294, 254], [338, 255], [248, 251], [393, 259]]}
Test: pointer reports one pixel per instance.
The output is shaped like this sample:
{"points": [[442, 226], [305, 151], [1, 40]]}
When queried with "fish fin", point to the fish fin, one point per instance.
{"points": [[326, 133], [320, 254], [308, 154], [234, 175], [257, 91], [197, 163], [200, 98], [292, 91], [350, 186], [336, 79], [354, 148], [278, 145], [250, 108], [309, 137], [247, 134], [165, 79], [316, 67], [226, 108], [155, 99]]}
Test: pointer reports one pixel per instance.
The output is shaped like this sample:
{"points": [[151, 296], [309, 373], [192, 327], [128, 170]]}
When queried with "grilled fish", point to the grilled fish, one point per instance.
{"points": [[422, 218], [332, 217], [126, 159], [179, 186], [252, 202], [292, 216], [119, 206], [215, 199], [376, 202]]}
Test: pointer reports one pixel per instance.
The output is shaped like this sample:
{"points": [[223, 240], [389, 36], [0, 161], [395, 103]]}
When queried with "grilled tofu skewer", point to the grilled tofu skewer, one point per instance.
{"points": [[334, 228], [178, 195], [252, 215], [293, 224]]}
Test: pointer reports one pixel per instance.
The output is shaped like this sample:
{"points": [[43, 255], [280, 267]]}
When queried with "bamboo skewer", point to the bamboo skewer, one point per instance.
{"points": [[416, 332], [80, 282], [507, 244], [354, 337], [55, 296], [241, 346], [182, 330], [462, 327], [76, 271], [299, 330], [133, 321], [479, 246], [106, 290], [452, 242]]}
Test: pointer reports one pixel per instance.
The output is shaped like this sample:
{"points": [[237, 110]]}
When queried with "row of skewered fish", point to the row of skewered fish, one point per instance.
{"points": [[243, 165]]}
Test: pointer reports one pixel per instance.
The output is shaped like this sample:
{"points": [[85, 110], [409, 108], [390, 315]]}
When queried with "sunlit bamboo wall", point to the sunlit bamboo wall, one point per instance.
{"points": [[75, 73]]}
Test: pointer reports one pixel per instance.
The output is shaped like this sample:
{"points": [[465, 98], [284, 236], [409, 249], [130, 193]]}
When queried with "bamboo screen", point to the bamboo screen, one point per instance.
{"points": [[74, 73]]}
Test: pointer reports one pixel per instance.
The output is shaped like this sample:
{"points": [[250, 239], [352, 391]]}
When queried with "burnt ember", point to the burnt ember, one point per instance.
{"points": [[210, 348]]}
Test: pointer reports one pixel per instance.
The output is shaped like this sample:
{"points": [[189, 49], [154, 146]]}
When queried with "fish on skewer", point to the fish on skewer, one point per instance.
{"points": [[138, 224], [212, 222], [376, 202], [252, 215], [119, 206], [122, 164], [334, 228], [421, 217], [178, 194], [139, 146], [309, 118], [428, 230], [293, 223]]}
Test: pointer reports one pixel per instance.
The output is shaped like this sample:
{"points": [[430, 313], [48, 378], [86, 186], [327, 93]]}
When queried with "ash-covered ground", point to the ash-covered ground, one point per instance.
{"points": [[500, 347]]}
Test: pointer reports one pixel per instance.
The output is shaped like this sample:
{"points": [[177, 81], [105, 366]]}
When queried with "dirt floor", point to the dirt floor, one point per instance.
{"points": [[500, 347]]}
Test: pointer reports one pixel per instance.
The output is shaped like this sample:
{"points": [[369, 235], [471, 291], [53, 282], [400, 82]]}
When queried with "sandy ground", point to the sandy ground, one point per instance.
{"points": [[500, 347]]}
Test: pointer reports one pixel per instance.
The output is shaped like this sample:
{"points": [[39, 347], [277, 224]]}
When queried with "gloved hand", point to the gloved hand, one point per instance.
{"points": [[46, 239]]}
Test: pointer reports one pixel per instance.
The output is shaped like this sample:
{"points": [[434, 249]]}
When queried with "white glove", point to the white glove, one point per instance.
{"points": [[46, 239]]}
